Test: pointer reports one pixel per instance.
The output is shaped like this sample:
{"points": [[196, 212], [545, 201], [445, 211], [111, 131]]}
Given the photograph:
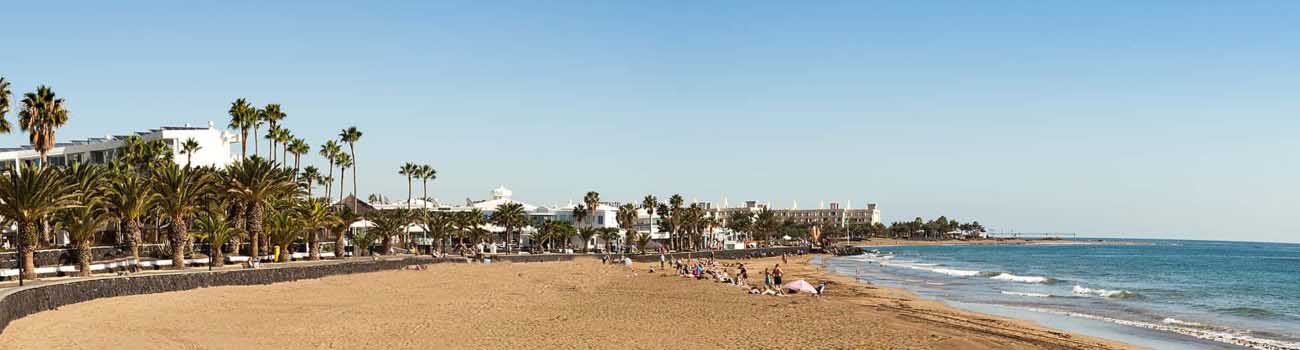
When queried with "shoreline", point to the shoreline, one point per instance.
{"points": [[910, 305]]}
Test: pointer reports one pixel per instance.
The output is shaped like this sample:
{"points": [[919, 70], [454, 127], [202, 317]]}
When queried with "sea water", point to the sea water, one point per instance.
{"points": [[1163, 294]]}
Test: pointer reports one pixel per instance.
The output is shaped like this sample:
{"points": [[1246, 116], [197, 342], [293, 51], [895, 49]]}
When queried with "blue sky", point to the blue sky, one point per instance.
{"points": [[1151, 119]]}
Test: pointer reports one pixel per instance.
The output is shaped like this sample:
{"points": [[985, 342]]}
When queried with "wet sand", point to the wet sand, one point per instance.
{"points": [[578, 305]]}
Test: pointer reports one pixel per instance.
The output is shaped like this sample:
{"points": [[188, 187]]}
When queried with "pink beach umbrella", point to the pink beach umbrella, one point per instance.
{"points": [[801, 286]]}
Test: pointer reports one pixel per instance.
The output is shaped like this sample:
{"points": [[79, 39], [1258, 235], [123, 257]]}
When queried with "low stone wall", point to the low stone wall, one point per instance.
{"points": [[727, 254], [59, 257], [26, 301], [534, 258]]}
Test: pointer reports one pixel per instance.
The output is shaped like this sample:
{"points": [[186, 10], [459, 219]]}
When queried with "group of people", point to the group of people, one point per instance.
{"points": [[736, 274]]}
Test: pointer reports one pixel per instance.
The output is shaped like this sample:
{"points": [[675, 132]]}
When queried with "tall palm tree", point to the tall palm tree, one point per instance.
{"points": [[5, 104], [410, 170], [649, 203], [315, 217], [188, 148], [283, 138], [272, 114], [131, 196], [627, 217], [255, 182], [242, 117], [310, 175], [259, 118], [214, 227], [29, 195], [427, 173], [580, 213], [330, 151], [42, 114], [297, 147], [272, 140], [512, 217], [674, 206], [350, 136], [592, 199], [344, 162]]}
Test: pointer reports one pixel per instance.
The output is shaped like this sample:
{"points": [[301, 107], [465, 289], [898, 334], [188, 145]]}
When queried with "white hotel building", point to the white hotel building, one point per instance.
{"points": [[215, 147]]}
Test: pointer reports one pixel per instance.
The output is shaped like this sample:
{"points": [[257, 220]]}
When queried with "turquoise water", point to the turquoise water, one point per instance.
{"points": [[1197, 294]]}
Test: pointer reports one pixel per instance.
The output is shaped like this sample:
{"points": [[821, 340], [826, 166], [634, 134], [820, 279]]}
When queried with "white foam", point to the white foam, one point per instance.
{"points": [[954, 272], [1104, 293], [1239, 339], [1028, 294], [1174, 321], [1022, 279]]}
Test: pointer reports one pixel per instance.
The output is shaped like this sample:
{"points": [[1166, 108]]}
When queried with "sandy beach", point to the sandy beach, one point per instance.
{"points": [[577, 305]]}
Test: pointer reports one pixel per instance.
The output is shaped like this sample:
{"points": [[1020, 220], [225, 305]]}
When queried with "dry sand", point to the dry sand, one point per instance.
{"points": [[578, 305]]}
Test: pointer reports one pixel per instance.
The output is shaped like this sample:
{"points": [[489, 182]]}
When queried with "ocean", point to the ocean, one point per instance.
{"points": [[1163, 294]]}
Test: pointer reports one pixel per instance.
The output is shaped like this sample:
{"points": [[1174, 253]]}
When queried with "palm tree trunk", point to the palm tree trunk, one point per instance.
{"points": [[340, 246], [329, 195], [256, 143], [243, 144], [26, 243], [216, 258], [83, 258], [134, 237], [426, 190], [388, 244], [179, 234], [343, 173], [255, 230], [354, 176], [313, 245]]}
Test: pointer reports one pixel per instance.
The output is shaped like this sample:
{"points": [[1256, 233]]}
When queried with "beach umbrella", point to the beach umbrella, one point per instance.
{"points": [[801, 286]]}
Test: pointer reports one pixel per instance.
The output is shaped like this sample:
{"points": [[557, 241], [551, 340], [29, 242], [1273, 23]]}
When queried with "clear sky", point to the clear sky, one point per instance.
{"points": [[1152, 119]]}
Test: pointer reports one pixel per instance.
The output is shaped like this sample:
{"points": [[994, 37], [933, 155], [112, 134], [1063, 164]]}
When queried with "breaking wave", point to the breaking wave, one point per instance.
{"points": [[1104, 293]]}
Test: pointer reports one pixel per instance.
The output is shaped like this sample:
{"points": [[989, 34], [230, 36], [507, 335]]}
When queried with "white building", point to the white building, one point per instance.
{"points": [[214, 147]]}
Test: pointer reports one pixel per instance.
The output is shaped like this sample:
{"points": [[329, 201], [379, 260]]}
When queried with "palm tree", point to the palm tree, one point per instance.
{"points": [[282, 140], [586, 233], [389, 224], [180, 190], [259, 117], [330, 151], [350, 137], [83, 221], [254, 182], [297, 147], [282, 229], [427, 173], [213, 226], [627, 217], [29, 195], [273, 115], [242, 117], [674, 206], [592, 199], [510, 216], [5, 104], [131, 196], [315, 217], [410, 170], [188, 148], [468, 221], [580, 213], [608, 235], [42, 113], [311, 175], [345, 219], [437, 225], [649, 203], [344, 162], [272, 139]]}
